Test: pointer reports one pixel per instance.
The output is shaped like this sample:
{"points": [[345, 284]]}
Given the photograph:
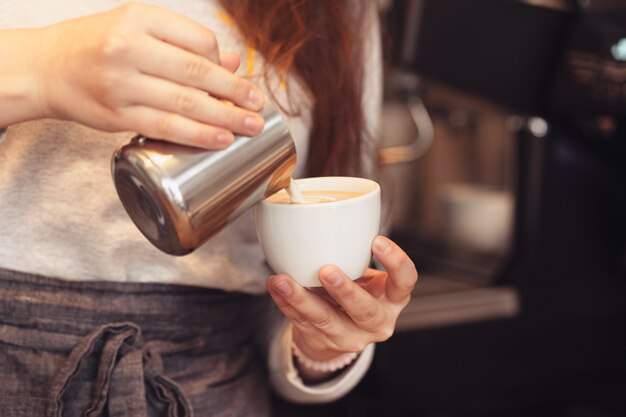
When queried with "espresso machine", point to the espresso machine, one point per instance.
{"points": [[512, 203], [555, 73], [504, 169]]}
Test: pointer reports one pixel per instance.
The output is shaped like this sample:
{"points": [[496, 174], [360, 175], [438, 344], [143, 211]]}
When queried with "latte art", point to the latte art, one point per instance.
{"points": [[314, 196]]}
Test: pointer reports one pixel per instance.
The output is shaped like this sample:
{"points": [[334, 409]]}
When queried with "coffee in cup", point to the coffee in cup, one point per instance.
{"points": [[314, 196]]}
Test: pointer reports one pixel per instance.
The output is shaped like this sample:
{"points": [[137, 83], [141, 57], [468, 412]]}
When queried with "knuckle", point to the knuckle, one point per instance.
{"points": [[185, 103], [210, 134], [109, 89], [408, 286], [109, 79], [399, 260], [368, 315], [209, 43], [115, 45], [322, 322], [240, 89], [232, 118], [384, 333], [164, 125], [407, 283], [301, 321], [109, 83], [347, 291], [195, 68], [131, 10], [297, 299]]}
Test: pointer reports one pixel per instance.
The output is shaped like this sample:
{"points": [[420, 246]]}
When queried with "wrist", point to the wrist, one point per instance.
{"points": [[325, 367], [19, 78], [313, 353], [316, 365]]}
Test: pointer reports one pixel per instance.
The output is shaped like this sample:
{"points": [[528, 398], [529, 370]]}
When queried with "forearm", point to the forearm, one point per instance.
{"points": [[19, 98]]}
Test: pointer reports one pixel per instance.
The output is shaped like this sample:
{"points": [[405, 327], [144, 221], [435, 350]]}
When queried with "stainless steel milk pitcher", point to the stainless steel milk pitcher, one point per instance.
{"points": [[179, 196]]}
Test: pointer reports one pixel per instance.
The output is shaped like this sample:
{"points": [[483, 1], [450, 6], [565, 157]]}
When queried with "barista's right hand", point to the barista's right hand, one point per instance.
{"points": [[145, 69]]}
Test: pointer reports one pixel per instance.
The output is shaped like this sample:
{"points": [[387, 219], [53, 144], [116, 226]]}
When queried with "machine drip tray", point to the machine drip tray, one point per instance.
{"points": [[438, 301], [454, 290]]}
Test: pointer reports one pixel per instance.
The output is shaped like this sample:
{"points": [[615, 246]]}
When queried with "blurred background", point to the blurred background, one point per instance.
{"points": [[504, 167]]}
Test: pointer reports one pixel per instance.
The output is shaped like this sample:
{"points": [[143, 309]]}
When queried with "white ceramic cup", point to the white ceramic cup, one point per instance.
{"points": [[299, 239]]}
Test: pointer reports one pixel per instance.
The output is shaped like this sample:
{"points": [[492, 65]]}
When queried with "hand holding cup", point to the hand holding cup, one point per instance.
{"points": [[330, 245]]}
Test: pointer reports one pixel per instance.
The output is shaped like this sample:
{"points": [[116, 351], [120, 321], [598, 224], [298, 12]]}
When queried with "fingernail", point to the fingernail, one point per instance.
{"points": [[282, 287], [253, 124], [224, 139], [255, 97], [333, 277], [381, 246]]}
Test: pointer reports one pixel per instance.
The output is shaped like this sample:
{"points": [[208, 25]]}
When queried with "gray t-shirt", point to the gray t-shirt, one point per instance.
{"points": [[59, 213]]}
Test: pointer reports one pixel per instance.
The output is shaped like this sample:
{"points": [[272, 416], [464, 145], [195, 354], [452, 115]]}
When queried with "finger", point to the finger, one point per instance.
{"points": [[349, 339], [172, 127], [374, 282], [294, 316], [291, 313], [311, 309], [323, 294], [401, 270], [286, 308], [176, 29], [194, 104], [315, 338], [230, 61], [174, 64], [369, 274], [366, 311]]}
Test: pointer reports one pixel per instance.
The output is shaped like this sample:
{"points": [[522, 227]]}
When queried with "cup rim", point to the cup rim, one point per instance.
{"points": [[367, 195]]}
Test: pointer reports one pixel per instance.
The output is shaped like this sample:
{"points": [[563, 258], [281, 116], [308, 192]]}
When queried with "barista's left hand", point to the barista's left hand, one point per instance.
{"points": [[346, 316]]}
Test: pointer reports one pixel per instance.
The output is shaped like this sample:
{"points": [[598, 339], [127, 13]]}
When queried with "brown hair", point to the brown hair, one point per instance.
{"points": [[320, 42]]}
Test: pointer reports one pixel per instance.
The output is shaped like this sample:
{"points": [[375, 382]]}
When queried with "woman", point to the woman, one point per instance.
{"points": [[94, 320]]}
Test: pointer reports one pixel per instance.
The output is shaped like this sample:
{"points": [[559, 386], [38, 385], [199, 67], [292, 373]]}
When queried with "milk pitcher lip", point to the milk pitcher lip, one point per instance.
{"points": [[179, 196]]}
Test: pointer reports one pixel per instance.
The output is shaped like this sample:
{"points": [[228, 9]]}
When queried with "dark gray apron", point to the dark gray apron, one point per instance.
{"points": [[70, 349]]}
